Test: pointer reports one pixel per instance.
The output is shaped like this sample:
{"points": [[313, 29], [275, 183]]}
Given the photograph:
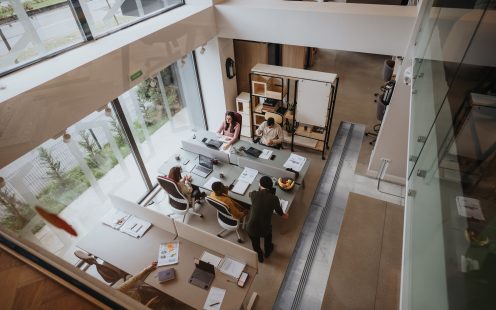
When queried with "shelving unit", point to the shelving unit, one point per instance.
{"points": [[243, 108], [312, 95]]}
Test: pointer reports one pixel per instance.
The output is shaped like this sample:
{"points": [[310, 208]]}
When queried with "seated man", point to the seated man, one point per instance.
{"points": [[220, 193], [271, 133]]}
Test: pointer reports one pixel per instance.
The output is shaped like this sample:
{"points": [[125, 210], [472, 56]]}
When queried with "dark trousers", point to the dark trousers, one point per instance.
{"points": [[255, 243]]}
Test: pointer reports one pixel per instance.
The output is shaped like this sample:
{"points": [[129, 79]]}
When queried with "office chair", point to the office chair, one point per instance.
{"points": [[225, 219], [177, 201], [109, 273]]}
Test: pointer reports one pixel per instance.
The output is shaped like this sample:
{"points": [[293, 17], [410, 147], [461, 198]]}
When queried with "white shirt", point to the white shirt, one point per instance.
{"points": [[275, 133]]}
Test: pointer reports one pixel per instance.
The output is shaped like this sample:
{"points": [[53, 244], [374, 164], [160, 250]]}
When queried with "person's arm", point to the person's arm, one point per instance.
{"points": [[222, 126], [260, 129], [277, 207], [280, 135], [131, 282]]}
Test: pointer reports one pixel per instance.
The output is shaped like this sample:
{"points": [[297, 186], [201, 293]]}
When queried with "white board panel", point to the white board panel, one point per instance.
{"points": [[313, 100]]}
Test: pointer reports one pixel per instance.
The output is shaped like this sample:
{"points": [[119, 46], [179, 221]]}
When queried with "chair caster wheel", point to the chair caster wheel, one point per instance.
{"points": [[240, 241]]}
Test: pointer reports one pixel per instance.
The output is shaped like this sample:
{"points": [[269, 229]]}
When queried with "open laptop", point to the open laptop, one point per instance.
{"points": [[203, 275], [253, 152], [204, 167], [215, 144]]}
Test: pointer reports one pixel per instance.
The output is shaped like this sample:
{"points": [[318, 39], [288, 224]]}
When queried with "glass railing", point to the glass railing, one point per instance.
{"points": [[450, 241], [34, 29]]}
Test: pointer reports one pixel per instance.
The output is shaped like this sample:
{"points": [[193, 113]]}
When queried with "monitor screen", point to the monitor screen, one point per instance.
{"points": [[205, 161]]}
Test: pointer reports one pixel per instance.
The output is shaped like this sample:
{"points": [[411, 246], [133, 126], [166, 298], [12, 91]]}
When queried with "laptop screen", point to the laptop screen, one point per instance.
{"points": [[206, 266], [205, 161]]}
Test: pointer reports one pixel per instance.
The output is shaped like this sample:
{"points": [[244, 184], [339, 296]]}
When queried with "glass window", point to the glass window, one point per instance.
{"points": [[162, 111], [105, 15], [32, 29]]}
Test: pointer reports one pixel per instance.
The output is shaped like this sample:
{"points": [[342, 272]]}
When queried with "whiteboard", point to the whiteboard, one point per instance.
{"points": [[312, 102]]}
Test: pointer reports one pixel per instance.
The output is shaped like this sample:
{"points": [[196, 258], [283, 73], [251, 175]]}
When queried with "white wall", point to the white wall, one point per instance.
{"points": [[44, 99], [218, 91], [378, 29], [392, 142]]}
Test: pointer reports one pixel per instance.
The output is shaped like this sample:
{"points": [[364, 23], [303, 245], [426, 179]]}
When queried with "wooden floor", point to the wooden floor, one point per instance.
{"points": [[23, 287], [366, 269]]}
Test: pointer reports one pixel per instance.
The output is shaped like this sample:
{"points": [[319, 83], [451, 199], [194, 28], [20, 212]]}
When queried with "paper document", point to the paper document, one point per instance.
{"points": [[188, 167], [284, 205], [211, 259], [240, 187], [168, 253], [248, 175], [208, 184], [227, 151], [469, 207], [265, 154], [214, 298], [232, 267], [295, 162], [135, 227], [115, 218]]}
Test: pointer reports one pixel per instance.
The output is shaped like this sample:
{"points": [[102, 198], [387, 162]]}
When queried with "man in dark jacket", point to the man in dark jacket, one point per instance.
{"points": [[263, 203]]}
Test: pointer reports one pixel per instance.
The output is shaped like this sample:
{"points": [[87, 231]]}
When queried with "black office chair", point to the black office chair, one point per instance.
{"points": [[177, 201], [226, 221]]}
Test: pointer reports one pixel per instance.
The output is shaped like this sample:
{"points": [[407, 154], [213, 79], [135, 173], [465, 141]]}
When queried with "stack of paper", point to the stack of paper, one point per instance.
{"points": [[214, 298], [248, 175], [265, 154], [295, 162], [211, 259], [231, 267], [126, 223]]}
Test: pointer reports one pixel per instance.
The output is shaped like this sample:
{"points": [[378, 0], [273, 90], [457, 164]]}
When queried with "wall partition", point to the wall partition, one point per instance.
{"points": [[450, 225]]}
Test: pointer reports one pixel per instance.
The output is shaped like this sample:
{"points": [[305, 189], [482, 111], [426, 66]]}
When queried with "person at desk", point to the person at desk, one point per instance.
{"points": [[230, 128], [190, 191], [271, 133], [135, 287], [263, 203], [220, 192]]}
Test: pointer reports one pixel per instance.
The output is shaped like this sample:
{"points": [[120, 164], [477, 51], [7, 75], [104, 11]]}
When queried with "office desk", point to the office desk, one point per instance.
{"points": [[133, 255], [279, 160], [231, 173]]}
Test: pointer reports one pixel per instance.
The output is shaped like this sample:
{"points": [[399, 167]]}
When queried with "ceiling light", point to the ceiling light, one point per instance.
{"points": [[202, 50], [66, 137], [108, 111]]}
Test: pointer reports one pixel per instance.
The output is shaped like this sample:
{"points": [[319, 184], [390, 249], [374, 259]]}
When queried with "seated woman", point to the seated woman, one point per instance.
{"points": [[230, 128], [190, 191], [220, 193]]}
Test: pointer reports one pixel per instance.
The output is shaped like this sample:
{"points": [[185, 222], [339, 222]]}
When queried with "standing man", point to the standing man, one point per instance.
{"points": [[271, 133], [263, 203]]}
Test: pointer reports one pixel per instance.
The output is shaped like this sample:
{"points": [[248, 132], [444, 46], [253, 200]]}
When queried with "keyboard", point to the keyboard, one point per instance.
{"points": [[203, 169]]}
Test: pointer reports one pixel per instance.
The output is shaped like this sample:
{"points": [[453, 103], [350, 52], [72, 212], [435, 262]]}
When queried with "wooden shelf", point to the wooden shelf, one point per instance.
{"points": [[300, 131]]}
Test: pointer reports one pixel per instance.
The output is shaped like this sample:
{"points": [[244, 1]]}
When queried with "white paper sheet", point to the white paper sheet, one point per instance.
{"points": [[295, 162], [232, 267], [265, 154], [214, 298], [469, 207], [240, 187], [208, 184], [248, 175], [115, 218], [135, 227], [168, 253], [211, 258], [284, 205]]}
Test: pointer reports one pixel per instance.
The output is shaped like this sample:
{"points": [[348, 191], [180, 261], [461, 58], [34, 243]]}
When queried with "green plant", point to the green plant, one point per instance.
{"points": [[16, 213], [93, 158], [55, 171], [117, 132]]}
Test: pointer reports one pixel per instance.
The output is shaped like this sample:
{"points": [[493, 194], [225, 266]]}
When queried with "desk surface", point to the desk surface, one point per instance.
{"points": [[133, 255], [281, 155], [231, 173]]}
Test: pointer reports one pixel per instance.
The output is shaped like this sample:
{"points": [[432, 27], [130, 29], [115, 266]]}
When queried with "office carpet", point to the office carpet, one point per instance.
{"points": [[366, 269]]}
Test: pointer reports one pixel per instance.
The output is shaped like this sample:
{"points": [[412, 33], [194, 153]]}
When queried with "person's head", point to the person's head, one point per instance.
{"points": [[175, 174], [266, 182], [218, 188], [230, 120], [270, 122]]}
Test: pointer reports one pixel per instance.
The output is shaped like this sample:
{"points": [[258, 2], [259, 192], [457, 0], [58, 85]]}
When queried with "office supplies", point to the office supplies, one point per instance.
{"points": [[253, 152], [168, 253], [115, 218], [248, 175], [231, 267], [135, 227], [240, 187], [265, 154], [215, 144], [204, 167], [203, 275], [214, 298], [242, 279], [211, 258], [166, 275], [273, 156], [295, 162]]}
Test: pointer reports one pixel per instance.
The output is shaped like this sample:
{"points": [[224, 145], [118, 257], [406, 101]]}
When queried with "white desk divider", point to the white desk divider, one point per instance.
{"points": [[157, 219], [204, 150], [217, 244], [264, 168]]}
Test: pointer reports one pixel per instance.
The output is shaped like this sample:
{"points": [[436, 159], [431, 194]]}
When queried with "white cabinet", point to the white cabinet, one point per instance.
{"points": [[243, 108]]}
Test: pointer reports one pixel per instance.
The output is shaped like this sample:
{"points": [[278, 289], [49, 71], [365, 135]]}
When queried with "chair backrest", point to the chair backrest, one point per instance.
{"points": [[176, 198], [277, 117], [222, 212]]}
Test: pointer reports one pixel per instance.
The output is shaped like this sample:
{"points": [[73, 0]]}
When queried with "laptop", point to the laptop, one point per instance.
{"points": [[203, 275], [204, 166], [215, 144], [253, 152]]}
